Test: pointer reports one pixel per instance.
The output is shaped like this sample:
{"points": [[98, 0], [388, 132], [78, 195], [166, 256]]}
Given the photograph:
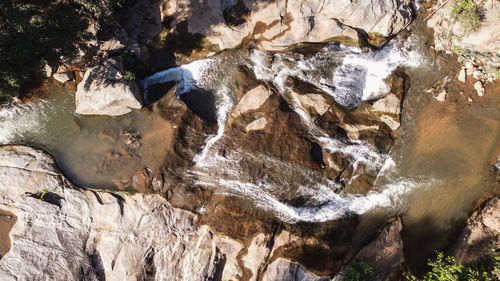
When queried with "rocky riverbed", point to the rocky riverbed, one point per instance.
{"points": [[257, 140]]}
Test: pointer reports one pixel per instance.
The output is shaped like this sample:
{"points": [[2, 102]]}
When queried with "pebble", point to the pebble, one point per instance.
{"points": [[441, 96], [470, 99], [479, 88], [461, 75]]}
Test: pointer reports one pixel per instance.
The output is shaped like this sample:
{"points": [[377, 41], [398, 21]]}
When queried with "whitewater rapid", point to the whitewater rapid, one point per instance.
{"points": [[350, 75]]}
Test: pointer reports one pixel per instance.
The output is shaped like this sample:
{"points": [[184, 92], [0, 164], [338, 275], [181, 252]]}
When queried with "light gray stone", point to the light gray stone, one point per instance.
{"points": [[283, 23], [104, 91]]}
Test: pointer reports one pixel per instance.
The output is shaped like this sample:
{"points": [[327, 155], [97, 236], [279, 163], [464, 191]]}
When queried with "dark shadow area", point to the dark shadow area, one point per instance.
{"points": [[120, 201], [202, 103], [422, 239], [49, 197], [236, 14], [96, 272], [220, 263], [148, 268], [317, 154], [157, 91]]}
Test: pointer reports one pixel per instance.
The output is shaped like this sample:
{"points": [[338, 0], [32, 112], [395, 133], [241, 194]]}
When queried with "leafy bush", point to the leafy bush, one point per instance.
{"points": [[33, 33], [467, 14], [446, 268], [100, 9], [359, 270], [38, 32]]}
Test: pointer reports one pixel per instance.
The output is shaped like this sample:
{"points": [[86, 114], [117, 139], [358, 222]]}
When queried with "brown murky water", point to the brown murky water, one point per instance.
{"points": [[454, 143], [7, 221], [97, 151]]}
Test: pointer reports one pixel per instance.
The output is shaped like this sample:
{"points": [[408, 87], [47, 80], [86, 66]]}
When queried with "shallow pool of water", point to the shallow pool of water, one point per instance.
{"points": [[94, 151]]}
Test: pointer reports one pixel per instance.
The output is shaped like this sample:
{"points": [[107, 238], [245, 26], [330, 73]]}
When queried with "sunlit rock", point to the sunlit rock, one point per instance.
{"points": [[105, 91]]}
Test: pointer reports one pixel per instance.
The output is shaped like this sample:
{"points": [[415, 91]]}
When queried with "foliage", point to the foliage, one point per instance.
{"points": [[99, 9], [494, 71], [467, 14], [359, 270], [446, 268], [129, 76], [42, 194], [464, 54], [38, 32], [33, 33]]}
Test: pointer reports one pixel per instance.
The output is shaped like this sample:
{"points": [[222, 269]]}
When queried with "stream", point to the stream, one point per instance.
{"points": [[440, 166]]}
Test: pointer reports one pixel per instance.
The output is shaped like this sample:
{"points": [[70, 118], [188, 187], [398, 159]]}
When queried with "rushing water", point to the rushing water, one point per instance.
{"points": [[358, 75], [92, 150]]}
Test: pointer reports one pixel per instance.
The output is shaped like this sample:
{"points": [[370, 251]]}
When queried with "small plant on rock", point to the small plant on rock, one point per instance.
{"points": [[359, 270], [467, 13], [130, 76]]}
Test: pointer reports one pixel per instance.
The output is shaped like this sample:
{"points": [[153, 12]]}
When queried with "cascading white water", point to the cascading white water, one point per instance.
{"points": [[18, 120], [349, 75], [204, 74]]}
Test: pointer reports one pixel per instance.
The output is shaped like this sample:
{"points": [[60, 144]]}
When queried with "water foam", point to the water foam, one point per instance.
{"points": [[18, 120], [330, 205], [348, 74], [188, 77]]}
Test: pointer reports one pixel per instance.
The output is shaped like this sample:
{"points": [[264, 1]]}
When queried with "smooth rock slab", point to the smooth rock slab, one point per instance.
{"points": [[252, 100], [104, 91]]}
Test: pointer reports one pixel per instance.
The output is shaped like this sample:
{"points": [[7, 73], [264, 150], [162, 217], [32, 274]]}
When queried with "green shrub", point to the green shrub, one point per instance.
{"points": [[359, 270], [467, 14], [446, 268]]}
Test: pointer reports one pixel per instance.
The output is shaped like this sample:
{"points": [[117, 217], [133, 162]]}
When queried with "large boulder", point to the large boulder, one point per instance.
{"points": [[105, 91], [275, 25]]}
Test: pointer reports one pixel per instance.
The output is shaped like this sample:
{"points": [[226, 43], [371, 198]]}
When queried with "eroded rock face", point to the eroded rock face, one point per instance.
{"points": [[63, 232], [105, 91], [275, 25], [480, 235]]}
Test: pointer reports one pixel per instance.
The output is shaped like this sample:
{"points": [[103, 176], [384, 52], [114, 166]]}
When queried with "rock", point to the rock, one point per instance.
{"points": [[48, 70], [469, 68], [104, 91], [79, 234], [277, 25], [481, 232], [390, 121], [385, 254], [441, 96], [63, 74], [461, 75], [97, 234], [449, 33], [258, 124], [469, 99], [354, 130], [252, 100], [283, 270], [478, 86], [389, 104]]}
